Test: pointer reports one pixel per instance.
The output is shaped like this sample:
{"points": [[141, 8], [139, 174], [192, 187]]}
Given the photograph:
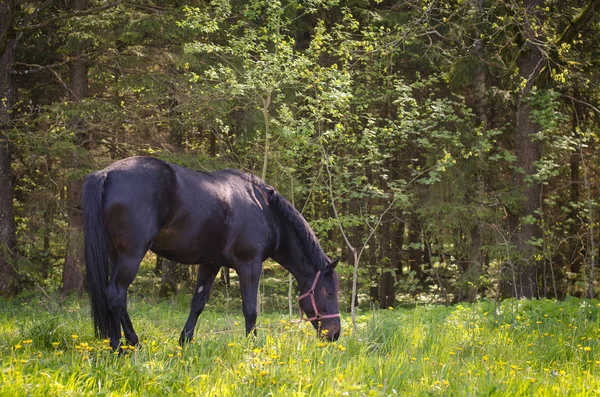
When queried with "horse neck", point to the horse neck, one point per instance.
{"points": [[291, 255]]}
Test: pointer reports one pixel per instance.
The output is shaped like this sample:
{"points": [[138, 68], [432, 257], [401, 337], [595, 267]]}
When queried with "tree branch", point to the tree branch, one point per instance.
{"points": [[51, 69], [32, 28], [575, 26]]}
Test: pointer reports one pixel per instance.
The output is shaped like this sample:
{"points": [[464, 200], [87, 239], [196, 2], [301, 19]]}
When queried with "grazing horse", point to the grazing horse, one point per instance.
{"points": [[223, 218]]}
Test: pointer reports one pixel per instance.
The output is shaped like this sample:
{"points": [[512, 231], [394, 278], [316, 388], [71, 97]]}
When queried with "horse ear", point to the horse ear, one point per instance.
{"points": [[334, 263], [270, 190]]}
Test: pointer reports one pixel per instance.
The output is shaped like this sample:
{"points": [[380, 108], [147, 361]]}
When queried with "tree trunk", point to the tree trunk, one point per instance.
{"points": [[372, 268], [528, 151], [8, 238], [373, 254], [398, 245], [172, 274], [73, 267], [573, 256], [415, 252], [387, 295]]}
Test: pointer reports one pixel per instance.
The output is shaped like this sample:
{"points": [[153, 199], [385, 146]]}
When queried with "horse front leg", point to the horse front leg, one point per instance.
{"points": [[249, 275], [206, 277]]}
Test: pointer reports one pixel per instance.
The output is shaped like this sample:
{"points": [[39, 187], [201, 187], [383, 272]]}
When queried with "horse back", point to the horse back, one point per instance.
{"points": [[216, 218]]}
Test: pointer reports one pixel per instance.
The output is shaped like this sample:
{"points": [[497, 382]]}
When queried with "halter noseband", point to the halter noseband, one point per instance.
{"points": [[311, 294]]}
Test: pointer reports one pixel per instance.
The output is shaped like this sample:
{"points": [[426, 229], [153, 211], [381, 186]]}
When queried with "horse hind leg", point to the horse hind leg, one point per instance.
{"points": [[123, 273], [130, 336], [206, 277]]}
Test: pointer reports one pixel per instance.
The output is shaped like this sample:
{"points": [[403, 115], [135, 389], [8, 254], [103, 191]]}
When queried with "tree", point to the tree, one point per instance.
{"points": [[8, 42], [534, 72], [74, 261]]}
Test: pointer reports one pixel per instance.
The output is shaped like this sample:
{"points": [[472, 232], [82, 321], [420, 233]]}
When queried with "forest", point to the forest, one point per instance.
{"points": [[444, 149]]}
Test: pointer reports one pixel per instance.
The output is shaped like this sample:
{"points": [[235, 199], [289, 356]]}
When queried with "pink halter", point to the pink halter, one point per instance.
{"points": [[311, 294]]}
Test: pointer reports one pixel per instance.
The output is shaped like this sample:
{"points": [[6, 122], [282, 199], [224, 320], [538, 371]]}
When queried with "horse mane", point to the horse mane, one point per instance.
{"points": [[307, 237]]}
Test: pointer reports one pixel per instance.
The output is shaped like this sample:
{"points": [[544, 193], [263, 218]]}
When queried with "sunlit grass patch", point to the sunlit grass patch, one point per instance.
{"points": [[514, 348]]}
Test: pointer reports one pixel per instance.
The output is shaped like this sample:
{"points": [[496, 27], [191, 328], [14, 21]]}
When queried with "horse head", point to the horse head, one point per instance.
{"points": [[320, 302]]}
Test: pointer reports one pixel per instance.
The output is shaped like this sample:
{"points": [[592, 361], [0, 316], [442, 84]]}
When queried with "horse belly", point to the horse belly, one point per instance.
{"points": [[188, 247]]}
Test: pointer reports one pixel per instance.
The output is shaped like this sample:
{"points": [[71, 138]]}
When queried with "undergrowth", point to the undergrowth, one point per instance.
{"points": [[513, 348]]}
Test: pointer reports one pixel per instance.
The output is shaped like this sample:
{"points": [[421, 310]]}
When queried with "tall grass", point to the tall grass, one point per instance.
{"points": [[515, 348]]}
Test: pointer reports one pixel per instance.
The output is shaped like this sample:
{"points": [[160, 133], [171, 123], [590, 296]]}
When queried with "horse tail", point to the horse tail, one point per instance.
{"points": [[97, 254]]}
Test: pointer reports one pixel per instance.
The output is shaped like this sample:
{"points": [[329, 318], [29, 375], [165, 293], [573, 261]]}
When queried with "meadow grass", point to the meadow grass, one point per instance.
{"points": [[512, 348]]}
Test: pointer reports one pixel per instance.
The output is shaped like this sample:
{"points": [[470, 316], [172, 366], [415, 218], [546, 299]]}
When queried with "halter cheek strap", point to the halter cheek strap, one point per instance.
{"points": [[311, 293]]}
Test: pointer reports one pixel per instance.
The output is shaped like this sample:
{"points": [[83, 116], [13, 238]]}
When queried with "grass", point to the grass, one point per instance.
{"points": [[515, 348]]}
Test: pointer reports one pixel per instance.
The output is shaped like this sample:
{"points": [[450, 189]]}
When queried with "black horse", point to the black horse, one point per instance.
{"points": [[223, 218]]}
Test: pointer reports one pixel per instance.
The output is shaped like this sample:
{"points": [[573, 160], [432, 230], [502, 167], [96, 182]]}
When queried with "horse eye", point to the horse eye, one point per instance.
{"points": [[329, 294]]}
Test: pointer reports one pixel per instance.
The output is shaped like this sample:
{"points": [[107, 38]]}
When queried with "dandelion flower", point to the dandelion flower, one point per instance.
{"points": [[264, 373], [55, 344], [17, 346], [74, 336], [341, 348]]}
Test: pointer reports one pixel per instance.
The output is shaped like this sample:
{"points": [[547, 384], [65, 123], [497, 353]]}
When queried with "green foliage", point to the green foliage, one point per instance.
{"points": [[361, 105]]}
